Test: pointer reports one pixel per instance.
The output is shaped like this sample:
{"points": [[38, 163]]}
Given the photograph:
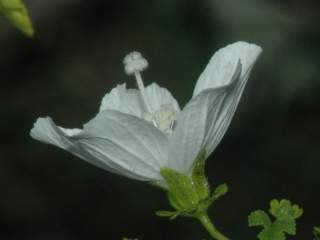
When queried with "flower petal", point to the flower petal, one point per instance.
{"points": [[89, 148], [196, 119], [157, 96], [124, 100], [126, 142], [204, 121], [45, 130], [222, 65]]}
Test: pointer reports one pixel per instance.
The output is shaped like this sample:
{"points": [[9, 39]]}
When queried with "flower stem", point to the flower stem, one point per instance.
{"points": [[206, 222]]}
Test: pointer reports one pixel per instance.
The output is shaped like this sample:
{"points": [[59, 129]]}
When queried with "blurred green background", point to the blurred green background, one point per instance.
{"points": [[271, 149]]}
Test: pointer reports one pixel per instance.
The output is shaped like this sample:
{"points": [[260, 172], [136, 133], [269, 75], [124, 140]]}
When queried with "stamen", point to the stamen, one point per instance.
{"points": [[155, 123], [163, 119]]}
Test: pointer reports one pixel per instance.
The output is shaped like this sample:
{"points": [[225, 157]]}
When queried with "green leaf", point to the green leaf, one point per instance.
{"points": [[285, 213], [284, 209], [259, 218], [271, 233], [287, 225], [16, 12], [181, 189], [316, 232], [198, 176]]}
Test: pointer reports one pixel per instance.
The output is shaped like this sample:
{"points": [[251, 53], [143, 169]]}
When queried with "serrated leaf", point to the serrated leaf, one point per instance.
{"points": [[287, 225], [259, 218], [284, 209], [296, 211], [16, 12], [271, 233], [198, 176], [181, 189], [285, 213]]}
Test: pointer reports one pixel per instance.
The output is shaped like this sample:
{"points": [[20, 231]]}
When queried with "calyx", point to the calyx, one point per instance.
{"points": [[190, 195]]}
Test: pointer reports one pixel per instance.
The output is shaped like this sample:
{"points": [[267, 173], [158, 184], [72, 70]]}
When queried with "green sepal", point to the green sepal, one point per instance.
{"points": [[182, 193], [199, 178], [190, 194], [316, 233], [259, 218], [220, 191], [16, 12], [169, 214]]}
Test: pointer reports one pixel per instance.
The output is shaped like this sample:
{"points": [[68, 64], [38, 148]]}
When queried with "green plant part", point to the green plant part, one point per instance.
{"points": [[16, 12], [190, 195], [285, 214], [316, 233]]}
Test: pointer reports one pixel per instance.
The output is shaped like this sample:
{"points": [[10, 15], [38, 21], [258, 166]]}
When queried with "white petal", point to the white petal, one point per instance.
{"points": [[222, 65], [46, 131], [194, 123], [124, 100], [126, 142], [207, 116], [157, 96]]}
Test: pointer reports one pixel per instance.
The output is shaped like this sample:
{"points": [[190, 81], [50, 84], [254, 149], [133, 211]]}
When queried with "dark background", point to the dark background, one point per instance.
{"points": [[270, 151]]}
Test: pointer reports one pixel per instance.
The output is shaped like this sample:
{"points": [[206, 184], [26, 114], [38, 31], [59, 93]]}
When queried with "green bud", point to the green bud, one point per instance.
{"points": [[16, 12]]}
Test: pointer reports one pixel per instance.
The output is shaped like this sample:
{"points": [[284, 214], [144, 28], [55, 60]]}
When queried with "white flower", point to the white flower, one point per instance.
{"points": [[139, 131]]}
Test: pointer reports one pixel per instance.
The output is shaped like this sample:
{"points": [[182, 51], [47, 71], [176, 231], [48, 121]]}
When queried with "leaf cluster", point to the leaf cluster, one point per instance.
{"points": [[285, 214]]}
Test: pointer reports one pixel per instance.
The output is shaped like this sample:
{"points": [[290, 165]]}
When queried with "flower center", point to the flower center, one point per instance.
{"points": [[163, 118]]}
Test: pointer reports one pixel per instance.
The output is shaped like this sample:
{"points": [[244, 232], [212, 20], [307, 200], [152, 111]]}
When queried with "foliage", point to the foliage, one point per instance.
{"points": [[285, 214], [16, 12]]}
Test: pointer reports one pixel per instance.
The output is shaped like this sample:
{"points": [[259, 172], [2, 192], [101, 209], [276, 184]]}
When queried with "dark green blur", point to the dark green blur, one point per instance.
{"points": [[270, 151]]}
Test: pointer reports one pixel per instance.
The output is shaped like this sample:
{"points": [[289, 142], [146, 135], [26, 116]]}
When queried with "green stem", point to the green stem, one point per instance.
{"points": [[206, 222]]}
